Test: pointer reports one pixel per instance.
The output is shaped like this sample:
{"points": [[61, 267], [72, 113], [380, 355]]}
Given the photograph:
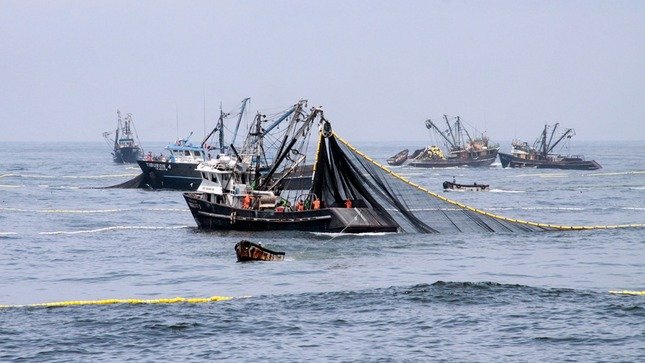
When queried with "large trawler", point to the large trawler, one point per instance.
{"points": [[178, 169], [125, 149], [541, 155], [234, 195], [462, 148]]}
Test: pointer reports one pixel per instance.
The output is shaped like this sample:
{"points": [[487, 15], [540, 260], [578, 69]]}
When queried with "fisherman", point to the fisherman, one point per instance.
{"points": [[246, 202], [316, 203], [348, 203], [300, 206]]}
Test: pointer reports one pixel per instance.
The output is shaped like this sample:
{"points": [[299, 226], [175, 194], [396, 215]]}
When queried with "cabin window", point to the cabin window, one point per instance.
{"points": [[186, 152]]}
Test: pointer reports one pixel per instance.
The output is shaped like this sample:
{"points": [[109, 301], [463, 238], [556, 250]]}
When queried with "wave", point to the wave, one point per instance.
{"points": [[507, 191], [542, 175], [540, 208], [36, 176], [11, 186], [113, 228], [341, 234], [617, 173]]}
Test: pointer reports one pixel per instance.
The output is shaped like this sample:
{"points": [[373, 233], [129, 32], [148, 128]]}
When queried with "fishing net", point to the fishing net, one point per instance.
{"points": [[343, 173]]}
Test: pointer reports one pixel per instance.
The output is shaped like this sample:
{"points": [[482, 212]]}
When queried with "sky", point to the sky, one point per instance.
{"points": [[379, 69]]}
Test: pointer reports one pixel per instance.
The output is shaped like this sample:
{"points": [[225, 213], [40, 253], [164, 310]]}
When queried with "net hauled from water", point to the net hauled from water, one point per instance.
{"points": [[342, 172]]}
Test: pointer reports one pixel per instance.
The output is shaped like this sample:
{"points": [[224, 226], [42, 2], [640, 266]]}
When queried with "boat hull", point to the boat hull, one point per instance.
{"points": [[169, 175], [482, 161], [127, 154], [399, 158], [213, 216], [465, 187], [249, 251], [511, 161]]}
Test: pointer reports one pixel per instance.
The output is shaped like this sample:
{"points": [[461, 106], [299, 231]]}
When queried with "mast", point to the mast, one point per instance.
{"points": [[298, 134], [452, 135], [470, 139], [544, 145], [548, 146], [220, 121], [430, 125], [118, 126], [565, 134], [258, 145], [220, 127], [239, 119], [296, 110]]}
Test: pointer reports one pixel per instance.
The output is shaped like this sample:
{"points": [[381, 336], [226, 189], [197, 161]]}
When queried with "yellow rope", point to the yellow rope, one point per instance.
{"points": [[542, 225], [174, 300]]}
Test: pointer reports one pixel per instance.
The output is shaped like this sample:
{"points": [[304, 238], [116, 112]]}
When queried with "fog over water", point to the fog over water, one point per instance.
{"points": [[379, 68]]}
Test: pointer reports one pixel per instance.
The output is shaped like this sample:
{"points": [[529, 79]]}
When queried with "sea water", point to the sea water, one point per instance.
{"points": [[401, 297]]}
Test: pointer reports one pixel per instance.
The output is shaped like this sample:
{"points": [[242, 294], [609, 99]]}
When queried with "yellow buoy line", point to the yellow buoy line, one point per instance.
{"points": [[479, 211], [174, 300], [627, 292]]}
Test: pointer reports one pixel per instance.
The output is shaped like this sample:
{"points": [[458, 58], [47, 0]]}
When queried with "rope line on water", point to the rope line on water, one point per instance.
{"points": [[479, 211], [174, 300]]}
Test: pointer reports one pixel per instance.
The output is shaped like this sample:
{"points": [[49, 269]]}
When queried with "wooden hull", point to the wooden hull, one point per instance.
{"points": [[511, 161], [249, 251], [213, 216]]}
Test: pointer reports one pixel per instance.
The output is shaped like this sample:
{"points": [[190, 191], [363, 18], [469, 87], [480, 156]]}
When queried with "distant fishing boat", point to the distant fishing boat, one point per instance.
{"points": [[178, 169], [125, 148], [540, 155], [399, 158], [452, 186], [463, 149]]}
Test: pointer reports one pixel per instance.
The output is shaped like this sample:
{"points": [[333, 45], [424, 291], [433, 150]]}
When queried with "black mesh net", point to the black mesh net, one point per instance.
{"points": [[342, 173]]}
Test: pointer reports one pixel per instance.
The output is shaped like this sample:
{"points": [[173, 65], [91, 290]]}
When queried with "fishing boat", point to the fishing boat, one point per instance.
{"points": [[540, 155], [234, 195], [249, 251], [399, 158], [178, 169], [462, 148], [125, 149], [452, 186]]}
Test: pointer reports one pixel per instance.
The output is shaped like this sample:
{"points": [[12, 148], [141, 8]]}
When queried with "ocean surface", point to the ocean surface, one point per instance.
{"points": [[377, 297]]}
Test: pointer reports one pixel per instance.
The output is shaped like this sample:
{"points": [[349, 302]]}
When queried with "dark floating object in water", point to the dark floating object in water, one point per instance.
{"points": [[249, 251], [399, 158], [465, 187]]}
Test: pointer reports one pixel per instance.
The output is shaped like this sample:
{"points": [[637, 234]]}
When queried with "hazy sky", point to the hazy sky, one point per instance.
{"points": [[378, 68]]}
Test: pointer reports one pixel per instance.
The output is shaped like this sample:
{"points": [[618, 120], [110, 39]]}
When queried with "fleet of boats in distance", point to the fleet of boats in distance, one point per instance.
{"points": [[464, 150], [266, 183]]}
